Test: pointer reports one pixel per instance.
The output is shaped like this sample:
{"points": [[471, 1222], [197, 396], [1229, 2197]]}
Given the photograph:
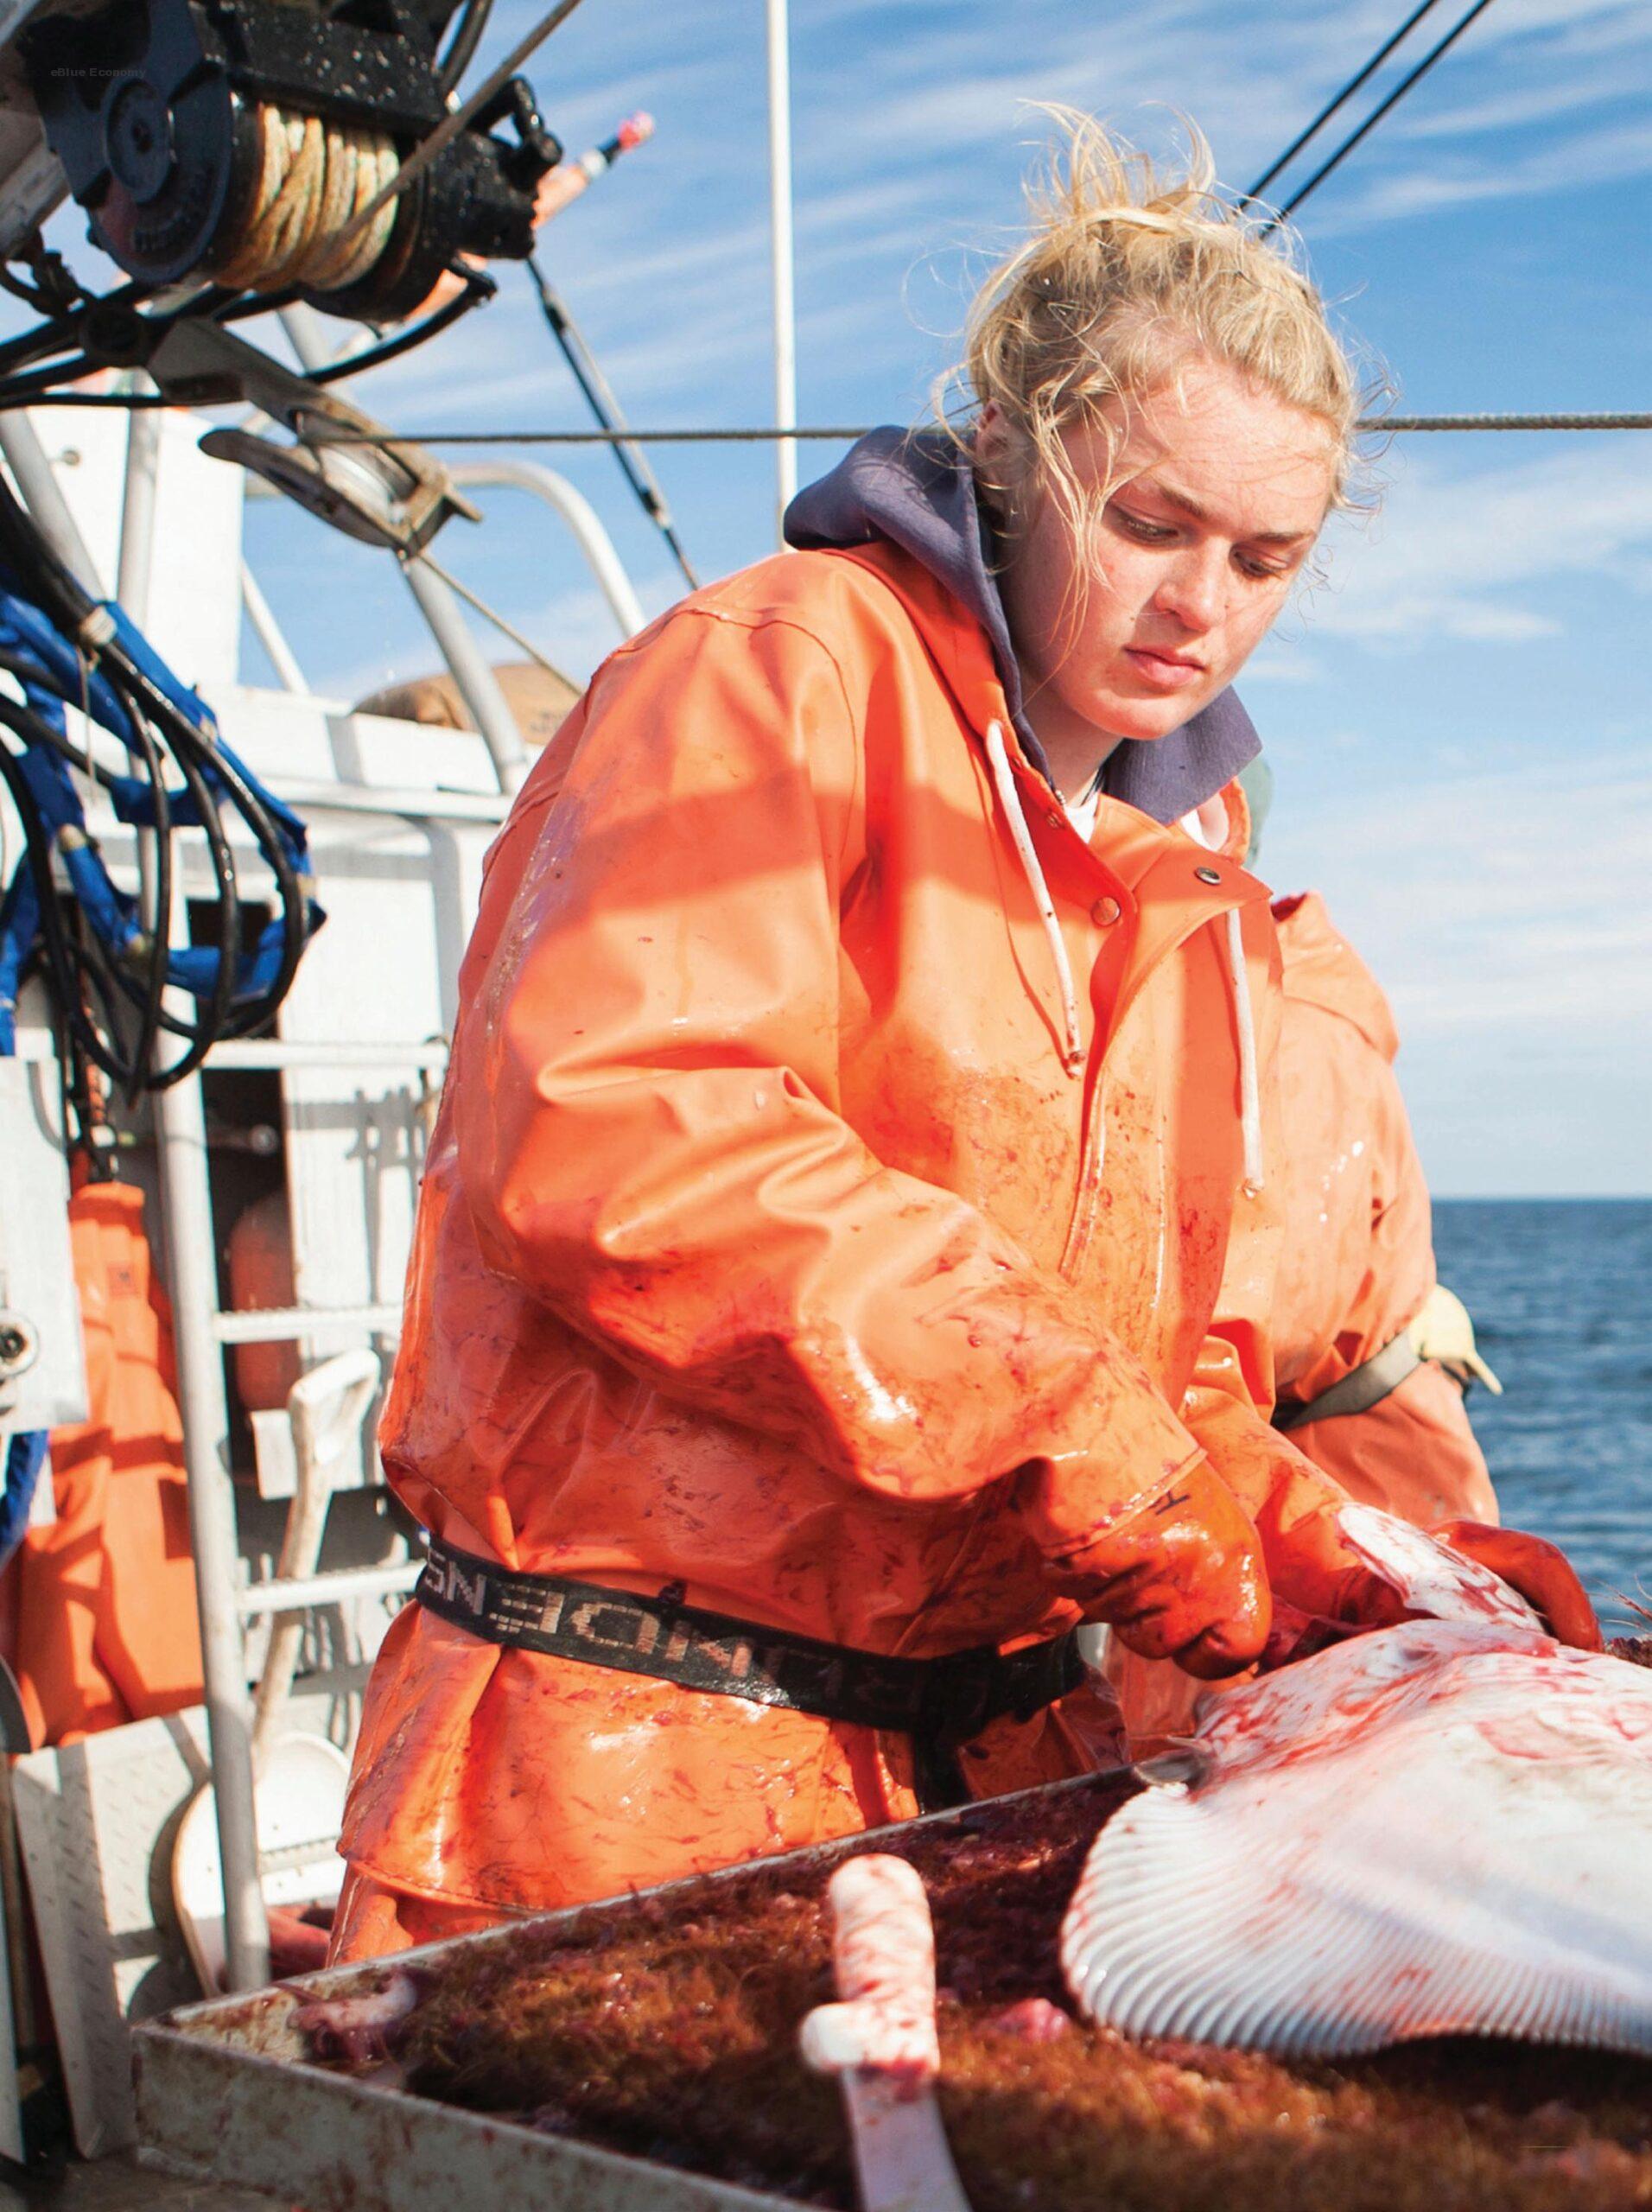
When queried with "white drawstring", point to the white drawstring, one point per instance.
{"points": [[1250, 1108], [1009, 798]]}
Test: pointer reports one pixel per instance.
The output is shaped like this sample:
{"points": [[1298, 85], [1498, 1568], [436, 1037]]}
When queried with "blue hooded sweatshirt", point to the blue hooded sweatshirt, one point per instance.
{"points": [[916, 489]]}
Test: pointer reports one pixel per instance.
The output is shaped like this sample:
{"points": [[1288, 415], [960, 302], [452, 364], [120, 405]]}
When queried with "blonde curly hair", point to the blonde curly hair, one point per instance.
{"points": [[1130, 273]]}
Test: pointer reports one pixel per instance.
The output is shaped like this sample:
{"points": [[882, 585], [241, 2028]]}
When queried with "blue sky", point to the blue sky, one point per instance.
{"points": [[1457, 717]]}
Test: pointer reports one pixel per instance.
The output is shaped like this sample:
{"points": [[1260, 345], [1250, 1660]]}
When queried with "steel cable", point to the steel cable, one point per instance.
{"points": [[1371, 426], [1436, 53], [1341, 101]]}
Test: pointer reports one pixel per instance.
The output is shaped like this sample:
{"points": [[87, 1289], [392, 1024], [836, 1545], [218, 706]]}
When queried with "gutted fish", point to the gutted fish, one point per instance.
{"points": [[1437, 1828]]}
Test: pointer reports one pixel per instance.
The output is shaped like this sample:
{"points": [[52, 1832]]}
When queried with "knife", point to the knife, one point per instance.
{"points": [[881, 2038], [901, 2157]]}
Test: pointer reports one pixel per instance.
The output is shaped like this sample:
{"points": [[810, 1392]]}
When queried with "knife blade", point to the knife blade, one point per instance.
{"points": [[901, 2157]]}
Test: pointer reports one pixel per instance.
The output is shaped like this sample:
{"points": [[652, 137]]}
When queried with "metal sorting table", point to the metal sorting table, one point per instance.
{"points": [[226, 2094]]}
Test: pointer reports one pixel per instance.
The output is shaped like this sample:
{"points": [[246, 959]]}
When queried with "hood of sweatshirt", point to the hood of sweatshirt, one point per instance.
{"points": [[916, 489]]}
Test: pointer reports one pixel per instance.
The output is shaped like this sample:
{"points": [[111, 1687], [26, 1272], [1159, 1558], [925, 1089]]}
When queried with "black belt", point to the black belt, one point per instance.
{"points": [[940, 1703]]}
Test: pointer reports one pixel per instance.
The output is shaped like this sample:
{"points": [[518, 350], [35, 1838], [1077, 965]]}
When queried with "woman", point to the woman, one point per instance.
{"points": [[845, 1250]]}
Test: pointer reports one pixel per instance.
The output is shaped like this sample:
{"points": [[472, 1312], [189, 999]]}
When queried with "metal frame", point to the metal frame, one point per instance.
{"points": [[300, 1593], [269, 634], [581, 518], [478, 685], [261, 2119], [782, 259]]}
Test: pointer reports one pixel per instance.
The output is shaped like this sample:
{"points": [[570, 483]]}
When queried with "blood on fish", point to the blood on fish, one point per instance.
{"points": [[1034, 2020], [1433, 1828]]}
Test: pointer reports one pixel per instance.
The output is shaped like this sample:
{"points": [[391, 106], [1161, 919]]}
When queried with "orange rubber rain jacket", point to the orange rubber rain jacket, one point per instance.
{"points": [[105, 1619], [1359, 1261], [773, 1244]]}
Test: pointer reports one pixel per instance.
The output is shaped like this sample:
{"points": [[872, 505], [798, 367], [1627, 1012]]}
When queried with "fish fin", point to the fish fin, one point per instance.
{"points": [[1433, 1579]]}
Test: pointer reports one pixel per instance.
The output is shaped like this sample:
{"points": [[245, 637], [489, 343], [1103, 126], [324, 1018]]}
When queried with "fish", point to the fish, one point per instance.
{"points": [[355, 2031], [1440, 1827]]}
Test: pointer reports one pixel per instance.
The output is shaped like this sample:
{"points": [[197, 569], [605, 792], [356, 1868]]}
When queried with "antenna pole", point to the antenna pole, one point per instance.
{"points": [[786, 331]]}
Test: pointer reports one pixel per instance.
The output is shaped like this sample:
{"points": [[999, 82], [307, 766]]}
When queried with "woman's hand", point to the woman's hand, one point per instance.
{"points": [[1182, 1579]]}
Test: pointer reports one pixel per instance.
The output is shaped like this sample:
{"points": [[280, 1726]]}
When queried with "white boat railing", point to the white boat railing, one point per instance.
{"points": [[584, 525]]}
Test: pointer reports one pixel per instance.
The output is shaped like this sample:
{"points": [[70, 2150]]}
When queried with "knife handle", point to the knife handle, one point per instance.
{"points": [[883, 1947]]}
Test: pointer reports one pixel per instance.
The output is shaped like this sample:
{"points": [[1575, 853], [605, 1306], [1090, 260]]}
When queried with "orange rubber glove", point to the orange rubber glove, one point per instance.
{"points": [[1183, 1579], [1314, 1570], [1541, 1571]]}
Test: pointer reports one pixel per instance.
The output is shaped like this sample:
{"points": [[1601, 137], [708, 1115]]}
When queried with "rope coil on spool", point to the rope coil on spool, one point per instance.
{"points": [[281, 145], [315, 179]]}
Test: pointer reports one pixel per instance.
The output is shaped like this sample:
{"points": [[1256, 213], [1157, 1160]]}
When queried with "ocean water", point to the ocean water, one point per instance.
{"points": [[1561, 1290]]}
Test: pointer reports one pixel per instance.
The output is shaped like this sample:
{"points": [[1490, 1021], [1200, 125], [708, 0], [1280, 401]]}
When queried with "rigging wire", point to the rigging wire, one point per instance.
{"points": [[1585, 422], [329, 434], [1436, 53], [492, 614], [587, 374], [1375, 425], [1341, 101]]}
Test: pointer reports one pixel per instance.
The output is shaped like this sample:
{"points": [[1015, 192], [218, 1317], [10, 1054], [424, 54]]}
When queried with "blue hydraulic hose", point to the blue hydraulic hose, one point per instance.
{"points": [[26, 1450], [54, 675]]}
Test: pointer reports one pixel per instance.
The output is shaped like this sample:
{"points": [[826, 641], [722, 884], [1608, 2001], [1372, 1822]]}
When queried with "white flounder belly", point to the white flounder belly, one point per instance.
{"points": [[1443, 1827]]}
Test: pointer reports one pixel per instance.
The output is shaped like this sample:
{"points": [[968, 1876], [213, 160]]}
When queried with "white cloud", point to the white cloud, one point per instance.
{"points": [[1537, 102], [1508, 913], [1488, 903], [1453, 549], [1567, 163], [1281, 661]]}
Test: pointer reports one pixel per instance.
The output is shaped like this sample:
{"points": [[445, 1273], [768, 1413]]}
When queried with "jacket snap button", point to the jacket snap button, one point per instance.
{"points": [[1208, 874], [1105, 910]]}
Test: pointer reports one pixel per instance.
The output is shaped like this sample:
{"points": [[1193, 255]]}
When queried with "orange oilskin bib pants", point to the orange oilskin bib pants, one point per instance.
{"points": [[104, 1597], [1358, 1258], [837, 1210]]}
